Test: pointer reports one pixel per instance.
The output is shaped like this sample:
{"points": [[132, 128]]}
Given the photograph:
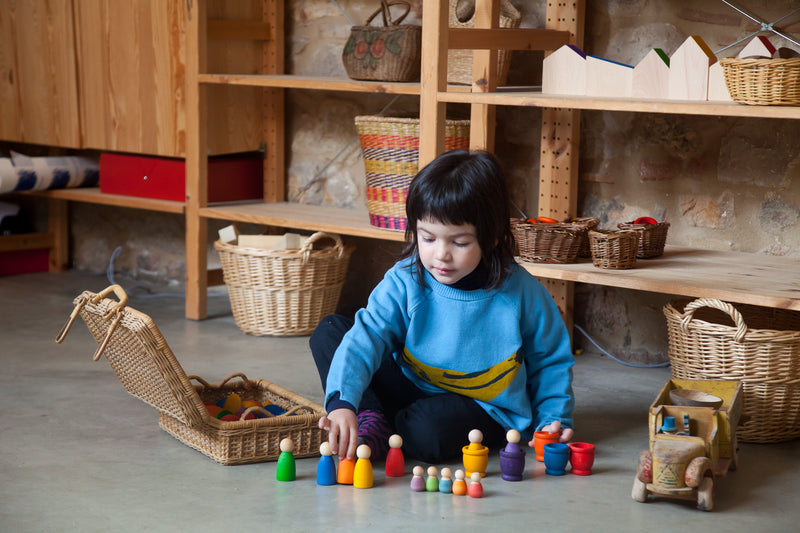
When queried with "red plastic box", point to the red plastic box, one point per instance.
{"points": [[230, 178]]}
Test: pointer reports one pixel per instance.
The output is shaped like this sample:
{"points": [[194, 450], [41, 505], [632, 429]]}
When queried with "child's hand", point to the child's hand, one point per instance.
{"points": [[342, 427], [555, 427]]}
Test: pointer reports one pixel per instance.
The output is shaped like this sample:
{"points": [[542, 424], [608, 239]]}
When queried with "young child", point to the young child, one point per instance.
{"points": [[455, 337]]}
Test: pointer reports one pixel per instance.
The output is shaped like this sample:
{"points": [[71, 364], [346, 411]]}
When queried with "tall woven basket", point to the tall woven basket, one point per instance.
{"points": [[459, 62], [390, 148], [284, 292], [711, 339]]}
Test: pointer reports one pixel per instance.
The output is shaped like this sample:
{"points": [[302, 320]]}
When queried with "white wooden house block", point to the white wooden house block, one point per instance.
{"points": [[717, 90], [564, 71], [608, 78], [688, 70], [759, 46], [651, 76]]}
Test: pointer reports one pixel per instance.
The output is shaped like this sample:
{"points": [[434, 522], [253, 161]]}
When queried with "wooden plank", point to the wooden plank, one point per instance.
{"points": [[353, 222], [196, 164], [58, 224], [273, 122], [25, 241], [433, 80], [480, 38], [529, 98], [239, 30], [326, 83], [484, 76], [92, 195], [756, 279]]}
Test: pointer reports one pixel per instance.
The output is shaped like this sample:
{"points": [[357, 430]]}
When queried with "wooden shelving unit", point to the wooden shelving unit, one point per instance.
{"points": [[730, 276]]}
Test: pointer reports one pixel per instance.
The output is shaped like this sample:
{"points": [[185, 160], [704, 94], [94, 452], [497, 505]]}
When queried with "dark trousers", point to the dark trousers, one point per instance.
{"points": [[434, 427]]}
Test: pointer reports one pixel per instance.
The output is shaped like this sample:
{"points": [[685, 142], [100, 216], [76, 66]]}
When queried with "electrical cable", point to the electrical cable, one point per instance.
{"points": [[626, 363]]}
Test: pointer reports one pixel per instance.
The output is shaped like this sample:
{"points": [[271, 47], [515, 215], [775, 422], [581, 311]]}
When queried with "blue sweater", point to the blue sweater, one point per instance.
{"points": [[506, 348]]}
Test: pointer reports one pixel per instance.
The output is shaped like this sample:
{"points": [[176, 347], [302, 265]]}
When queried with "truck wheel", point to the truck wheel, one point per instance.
{"points": [[705, 494], [644, 468], [696, 471], [639, 490]]}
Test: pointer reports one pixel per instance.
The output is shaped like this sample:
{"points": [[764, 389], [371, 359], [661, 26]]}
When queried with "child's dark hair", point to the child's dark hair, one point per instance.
{"points": [[463, 187]]}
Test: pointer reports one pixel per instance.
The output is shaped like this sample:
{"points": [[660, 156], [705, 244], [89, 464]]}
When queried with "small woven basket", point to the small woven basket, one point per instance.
{"points": [[390, 149], [652, 238], [763, 81], [459, 62], [284, 292], [614, 249], [759, 346], [590, 223], [548, 243], [147, 369]]}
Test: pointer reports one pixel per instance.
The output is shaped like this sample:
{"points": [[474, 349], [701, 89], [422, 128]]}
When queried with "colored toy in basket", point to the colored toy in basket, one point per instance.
{"points": [[432, 482], [475, 454], [285, 469], [446, 483], [459, 485], [362, 473], [395, 462], [417, 481], [475, 489], [326, 469], [512, 458], [346, 471]]}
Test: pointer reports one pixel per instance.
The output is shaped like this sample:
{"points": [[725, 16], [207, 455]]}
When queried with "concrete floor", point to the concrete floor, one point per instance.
{"points": [[79, 454]]}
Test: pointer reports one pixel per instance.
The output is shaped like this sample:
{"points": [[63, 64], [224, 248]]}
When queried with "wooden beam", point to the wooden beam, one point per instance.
{"points": [[273, 107], [506, 38], [26, 241], [58, 224], [433, 79], [484, 79]]}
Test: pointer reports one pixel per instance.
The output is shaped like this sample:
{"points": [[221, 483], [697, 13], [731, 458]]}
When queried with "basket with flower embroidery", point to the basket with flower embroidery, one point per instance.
{"points": [[388, 53]]}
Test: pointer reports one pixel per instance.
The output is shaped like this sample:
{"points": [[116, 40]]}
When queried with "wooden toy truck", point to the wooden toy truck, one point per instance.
{"points": [[684, 464]]}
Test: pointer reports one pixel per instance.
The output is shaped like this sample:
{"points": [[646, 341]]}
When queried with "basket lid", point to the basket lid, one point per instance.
{"points": [[139, 355]]}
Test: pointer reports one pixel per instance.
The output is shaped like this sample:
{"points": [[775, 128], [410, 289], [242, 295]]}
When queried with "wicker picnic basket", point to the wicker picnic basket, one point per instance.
{"points": [[614, 249], [759, 346], [390, 148], [652, 238], [147, 368], [459, 62], [548, 243], [284, 292], [763, 81]]}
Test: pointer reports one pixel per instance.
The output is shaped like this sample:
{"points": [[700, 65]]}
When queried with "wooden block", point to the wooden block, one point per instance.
{"points": [[688, 70], [787, 53], [564, 71], [267, 242], [717, 89], [759, 46], [607, 78], [651, 76], [228, 233]]}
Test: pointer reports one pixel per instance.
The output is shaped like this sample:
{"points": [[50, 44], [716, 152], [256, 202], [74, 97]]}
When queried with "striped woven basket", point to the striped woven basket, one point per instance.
{"points": [[390, 147]]}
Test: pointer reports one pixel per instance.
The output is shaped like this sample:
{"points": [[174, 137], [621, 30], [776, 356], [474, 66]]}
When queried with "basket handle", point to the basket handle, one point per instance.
{"points": [[71, 320], [387, 15], [736, 316], [309, 244], [207, 385]]}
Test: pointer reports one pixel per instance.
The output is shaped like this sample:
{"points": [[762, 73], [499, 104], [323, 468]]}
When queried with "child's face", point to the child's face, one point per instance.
{"points": [[448, 252]]}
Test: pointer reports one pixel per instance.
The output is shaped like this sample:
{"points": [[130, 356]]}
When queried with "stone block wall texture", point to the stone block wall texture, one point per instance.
{"points": [[722, 183]]}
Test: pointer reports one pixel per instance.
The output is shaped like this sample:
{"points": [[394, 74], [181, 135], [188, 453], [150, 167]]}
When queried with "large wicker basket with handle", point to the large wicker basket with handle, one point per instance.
{"points": [[148, 370], [284, 292], [759, 346]]}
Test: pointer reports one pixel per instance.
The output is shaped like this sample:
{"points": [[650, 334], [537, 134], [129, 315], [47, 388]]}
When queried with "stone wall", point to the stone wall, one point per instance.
{"points": [[722, 183]]}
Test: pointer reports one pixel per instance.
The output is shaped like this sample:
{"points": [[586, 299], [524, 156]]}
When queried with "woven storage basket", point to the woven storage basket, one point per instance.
{"points": [[614, 249], [590, 223], [147, 368], [763, 81], [390, 148], [459, 62], [284, 292], [548, 243], [759, 346], [652, 238]]}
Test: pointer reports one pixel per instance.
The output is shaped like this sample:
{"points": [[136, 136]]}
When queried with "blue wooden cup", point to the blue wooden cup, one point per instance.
{"points": [[556, 457]]}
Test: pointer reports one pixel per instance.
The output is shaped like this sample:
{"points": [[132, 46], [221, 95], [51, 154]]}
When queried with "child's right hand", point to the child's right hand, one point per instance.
{"points": [[342, 427]]}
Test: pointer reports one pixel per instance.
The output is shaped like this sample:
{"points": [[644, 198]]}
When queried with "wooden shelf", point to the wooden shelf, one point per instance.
{"points": [[92, 195], [354, 222], [729, 276], [531, 98]]}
